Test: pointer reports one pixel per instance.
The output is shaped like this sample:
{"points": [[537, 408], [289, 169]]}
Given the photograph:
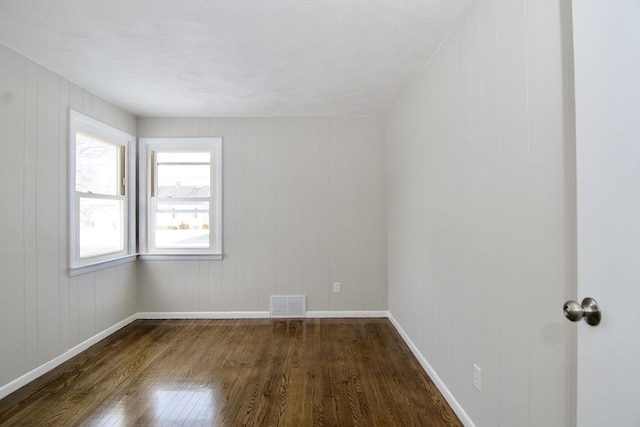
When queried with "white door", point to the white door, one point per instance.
{"points": [[607, 83]]}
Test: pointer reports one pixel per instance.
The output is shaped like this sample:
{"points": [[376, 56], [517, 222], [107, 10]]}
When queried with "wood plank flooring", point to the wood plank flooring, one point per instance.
{"points": [[262, 372]]}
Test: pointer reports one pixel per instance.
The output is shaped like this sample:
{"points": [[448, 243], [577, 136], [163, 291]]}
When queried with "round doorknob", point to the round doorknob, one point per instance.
{"points": [[588, 310], [573, 310]]}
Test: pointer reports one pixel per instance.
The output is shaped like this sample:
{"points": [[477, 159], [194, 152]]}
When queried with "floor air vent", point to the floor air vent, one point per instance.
{"points": [[288, 305]]}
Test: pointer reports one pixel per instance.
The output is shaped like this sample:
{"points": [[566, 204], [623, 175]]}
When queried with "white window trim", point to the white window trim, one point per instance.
{"points": [[77, 265], [145, 146]]}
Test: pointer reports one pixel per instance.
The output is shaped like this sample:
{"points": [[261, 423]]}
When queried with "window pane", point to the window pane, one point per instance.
{"points": [[182, 225], [101, 226], [183, 174], [97, 166]]}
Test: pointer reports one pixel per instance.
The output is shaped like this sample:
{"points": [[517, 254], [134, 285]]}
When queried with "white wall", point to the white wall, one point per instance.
{"points": [[481, 213], [43, 312], [304, 206]]}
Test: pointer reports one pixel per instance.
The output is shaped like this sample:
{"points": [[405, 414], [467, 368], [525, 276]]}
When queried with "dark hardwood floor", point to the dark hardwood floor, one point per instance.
{"points": [[311, 372]]}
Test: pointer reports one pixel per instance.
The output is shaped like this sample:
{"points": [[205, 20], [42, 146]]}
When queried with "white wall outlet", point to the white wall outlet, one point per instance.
{"points": [[477, 377], [336, 287]]}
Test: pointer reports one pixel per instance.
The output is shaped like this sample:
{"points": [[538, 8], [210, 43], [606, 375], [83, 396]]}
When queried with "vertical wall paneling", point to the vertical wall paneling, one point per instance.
{"points": [[178, 285], [30, 174], [215, 287], [178, 127], [87, 104], [47, 216], [76, 102], [74, 315], [12, 298], [464, 148], [98, 297], [479, 213], [347, 167], [267, 209], [251, 215], [63, 152], [153, 285], [109, 291], [315, 249], [514, 207], [203, 287], [301, 196], [127, 301], [43, 312], [86, 306], [372, 239], [333, 180], [477, 217], [239, 212], [491, 171], [286, 239], [192, 292], [227, 128]]}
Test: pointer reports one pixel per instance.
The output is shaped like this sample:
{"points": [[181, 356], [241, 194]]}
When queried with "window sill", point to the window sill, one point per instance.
{"points": [[77, 271], [180, 257]]}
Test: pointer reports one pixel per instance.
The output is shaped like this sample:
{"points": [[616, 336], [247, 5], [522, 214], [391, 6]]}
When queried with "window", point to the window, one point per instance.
{"points": [[181, 197], [101, 224]]}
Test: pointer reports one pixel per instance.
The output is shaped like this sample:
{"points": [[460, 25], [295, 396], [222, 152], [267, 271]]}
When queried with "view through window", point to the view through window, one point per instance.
{"points": [[101, 195], [181, 202]]}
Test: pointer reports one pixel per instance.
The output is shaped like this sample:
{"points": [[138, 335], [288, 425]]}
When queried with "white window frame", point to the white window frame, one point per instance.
{"points": [[77, 265], [148, 145]]}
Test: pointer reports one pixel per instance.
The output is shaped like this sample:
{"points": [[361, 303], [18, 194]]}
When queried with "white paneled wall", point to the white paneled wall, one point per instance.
{"points": [[304, 206], [481, 213], [44, 312]]}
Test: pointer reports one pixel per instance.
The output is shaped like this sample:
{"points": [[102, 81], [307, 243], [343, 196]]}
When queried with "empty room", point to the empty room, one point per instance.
{"points": [[320, 213]]}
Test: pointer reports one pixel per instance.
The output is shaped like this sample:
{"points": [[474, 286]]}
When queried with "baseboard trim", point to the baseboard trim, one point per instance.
{"points": [[53, 363], [204, 315], [253, 314], [451, 400], [346, 314]]}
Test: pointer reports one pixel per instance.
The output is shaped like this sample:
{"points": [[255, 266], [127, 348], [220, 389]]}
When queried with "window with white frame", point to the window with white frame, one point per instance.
{"points": [[101, 201], [181, 196]]}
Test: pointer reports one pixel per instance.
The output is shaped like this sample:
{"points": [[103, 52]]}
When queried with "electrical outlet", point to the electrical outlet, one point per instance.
{"points": [[477, 377], [336, 287]]}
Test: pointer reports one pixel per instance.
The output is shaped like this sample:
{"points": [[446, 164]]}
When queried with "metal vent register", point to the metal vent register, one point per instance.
{"points": [[288, 305]]}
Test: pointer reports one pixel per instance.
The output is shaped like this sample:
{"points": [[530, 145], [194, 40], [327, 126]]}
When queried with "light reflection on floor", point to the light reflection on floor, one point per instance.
{"points": [[168, 404], [186, 405]]}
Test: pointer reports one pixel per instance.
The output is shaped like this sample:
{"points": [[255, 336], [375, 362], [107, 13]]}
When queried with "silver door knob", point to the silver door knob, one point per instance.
{"points": [[588, 310]]}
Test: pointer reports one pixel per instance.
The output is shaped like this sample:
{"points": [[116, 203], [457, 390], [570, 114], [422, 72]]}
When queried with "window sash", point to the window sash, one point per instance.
{"points": [[124, 143], [122, 235], [149, 147], [154, 163], [118, 186]]}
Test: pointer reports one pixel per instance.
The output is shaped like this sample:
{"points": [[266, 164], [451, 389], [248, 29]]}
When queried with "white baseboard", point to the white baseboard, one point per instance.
{"points": [[346, 314], [253, 314], [74, 351], [204, 315], [451, 400]]}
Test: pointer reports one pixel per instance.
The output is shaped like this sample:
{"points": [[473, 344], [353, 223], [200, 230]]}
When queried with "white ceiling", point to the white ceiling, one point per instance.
{"points": [[234, 58]]}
